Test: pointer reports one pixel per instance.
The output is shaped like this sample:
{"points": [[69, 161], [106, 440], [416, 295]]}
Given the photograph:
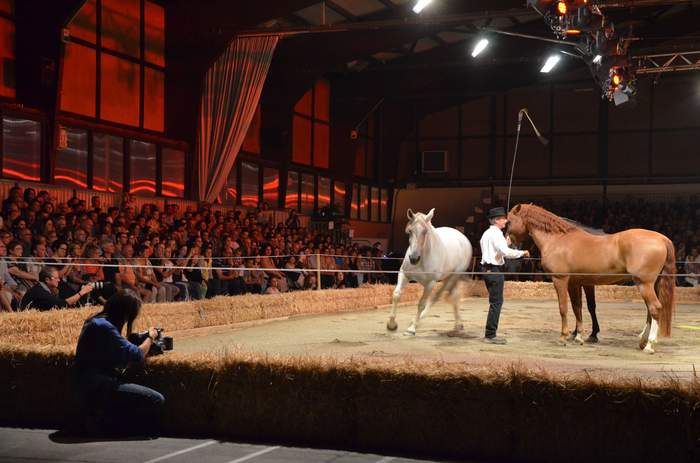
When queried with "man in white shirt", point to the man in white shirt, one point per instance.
{"points": [[494, 249]]}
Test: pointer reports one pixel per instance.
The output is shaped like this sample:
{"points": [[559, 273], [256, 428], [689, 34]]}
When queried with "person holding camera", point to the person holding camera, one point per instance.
{"points": [[102, 353], [44, 294]]}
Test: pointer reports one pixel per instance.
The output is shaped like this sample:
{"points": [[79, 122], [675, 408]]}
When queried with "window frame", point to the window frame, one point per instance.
{"points": [[99, 49], [313, 120], [126, 135]]}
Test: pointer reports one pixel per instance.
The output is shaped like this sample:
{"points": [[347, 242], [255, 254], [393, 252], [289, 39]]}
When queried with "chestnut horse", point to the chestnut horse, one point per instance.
{"points": [[578, 258]]}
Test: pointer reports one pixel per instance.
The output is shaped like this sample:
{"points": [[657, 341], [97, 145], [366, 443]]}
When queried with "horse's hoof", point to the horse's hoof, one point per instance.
{"points": [[592, 339], [649, 349], [409, 333], [578, 340], [561, 342], [459, 327], [392, 325], [572, 337]]}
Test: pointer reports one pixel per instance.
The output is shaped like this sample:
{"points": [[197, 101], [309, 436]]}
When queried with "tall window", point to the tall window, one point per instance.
{"points": [[291, 198], [324, 192], [364, 202], [374, 204], [107, 162], [142, 157], [354, 202], [114, 63], [72, 161], [7, 49], [249, 184], [307, 193], [172, 172], [364, 149], [384, 206], [339, 197], [21, 148], [311, 127], [271, 186]]}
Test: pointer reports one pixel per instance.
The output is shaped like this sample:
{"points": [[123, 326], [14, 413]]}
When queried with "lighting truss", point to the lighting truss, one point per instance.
{"points": [[667, 62]]}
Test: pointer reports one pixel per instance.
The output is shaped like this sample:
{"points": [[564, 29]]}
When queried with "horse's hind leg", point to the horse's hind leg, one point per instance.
{"points": [[436, 296], [576, 305], [590, 303], [424, 299], [395, 297], [454, 297], [653, 307]]}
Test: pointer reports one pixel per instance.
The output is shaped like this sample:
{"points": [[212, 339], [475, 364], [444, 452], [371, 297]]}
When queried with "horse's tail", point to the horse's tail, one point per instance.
{"points": [[665, 290]]}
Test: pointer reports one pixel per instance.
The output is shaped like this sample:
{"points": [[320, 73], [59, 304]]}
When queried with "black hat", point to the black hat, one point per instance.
{"points": [[497, 212]]}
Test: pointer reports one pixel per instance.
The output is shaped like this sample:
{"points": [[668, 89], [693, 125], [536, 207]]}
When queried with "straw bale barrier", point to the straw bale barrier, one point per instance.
{"points": [[440, 409], [62, 327]]}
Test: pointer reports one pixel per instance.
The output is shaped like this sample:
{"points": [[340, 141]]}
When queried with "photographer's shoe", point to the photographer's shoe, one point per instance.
{"points": [[495, 340]]}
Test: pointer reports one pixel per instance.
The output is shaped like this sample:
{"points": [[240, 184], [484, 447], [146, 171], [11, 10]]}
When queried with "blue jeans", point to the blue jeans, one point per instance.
{"points": [[120, 407]]}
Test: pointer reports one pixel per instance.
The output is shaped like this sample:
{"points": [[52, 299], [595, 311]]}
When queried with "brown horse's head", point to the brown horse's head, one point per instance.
{"points": [[516, 227]]}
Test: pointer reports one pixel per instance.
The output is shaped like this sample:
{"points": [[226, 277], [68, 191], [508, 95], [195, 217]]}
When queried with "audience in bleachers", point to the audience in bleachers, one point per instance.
{"points": [[148, 250]]}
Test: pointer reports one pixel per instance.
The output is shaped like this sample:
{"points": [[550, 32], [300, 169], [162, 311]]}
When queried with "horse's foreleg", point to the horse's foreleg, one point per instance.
{"points": [[561, 284], [395, 297], [424, 299], [653, 307], [590, 303], [576, 305]]}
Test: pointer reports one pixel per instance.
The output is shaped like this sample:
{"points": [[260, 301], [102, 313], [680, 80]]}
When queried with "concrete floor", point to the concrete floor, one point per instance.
{"points": [[31, 445]]}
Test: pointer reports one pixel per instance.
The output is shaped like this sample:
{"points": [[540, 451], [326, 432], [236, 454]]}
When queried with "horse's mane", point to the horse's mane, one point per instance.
{"points": [[586, 228], [541, 219]]}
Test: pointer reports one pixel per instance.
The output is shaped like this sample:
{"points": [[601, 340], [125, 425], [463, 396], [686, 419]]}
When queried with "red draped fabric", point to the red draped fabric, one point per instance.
{"points": [[230, 96]]}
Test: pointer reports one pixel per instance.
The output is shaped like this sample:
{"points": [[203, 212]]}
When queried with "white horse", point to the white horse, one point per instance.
{"points": [[432, 254]]}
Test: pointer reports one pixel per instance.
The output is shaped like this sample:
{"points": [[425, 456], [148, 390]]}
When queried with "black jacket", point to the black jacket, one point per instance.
{"points": [[40, 299]]}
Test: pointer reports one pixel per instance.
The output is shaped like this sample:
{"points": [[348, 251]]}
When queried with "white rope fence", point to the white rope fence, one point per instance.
{"points": [[318, 269]]}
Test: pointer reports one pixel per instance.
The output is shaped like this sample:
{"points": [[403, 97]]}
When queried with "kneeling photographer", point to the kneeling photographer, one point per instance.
{"points": [[111, 404], [45, 295]]}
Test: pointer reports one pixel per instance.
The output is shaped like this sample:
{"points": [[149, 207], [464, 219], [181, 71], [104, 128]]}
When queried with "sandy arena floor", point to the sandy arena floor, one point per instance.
{"points": [[531, 327]]}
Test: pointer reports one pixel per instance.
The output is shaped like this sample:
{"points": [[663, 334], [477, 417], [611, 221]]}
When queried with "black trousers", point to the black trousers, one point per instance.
{"points": [[494, 285]]}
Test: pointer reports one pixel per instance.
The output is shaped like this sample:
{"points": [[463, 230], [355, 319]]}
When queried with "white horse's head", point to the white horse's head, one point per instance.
{"points": [[417, 229]]}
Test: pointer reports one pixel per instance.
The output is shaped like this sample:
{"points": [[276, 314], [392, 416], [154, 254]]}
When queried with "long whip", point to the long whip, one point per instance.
{"points": [[542, 140]]}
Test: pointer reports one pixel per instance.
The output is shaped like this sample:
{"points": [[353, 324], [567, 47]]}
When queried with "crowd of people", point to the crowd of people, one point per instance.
{"points": [[164, 255]]}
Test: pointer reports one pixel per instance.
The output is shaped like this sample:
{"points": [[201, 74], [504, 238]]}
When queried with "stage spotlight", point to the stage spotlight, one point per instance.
{"points": [[550, 63], [562, 8], [598, 59], [480, 46], [420, 5]]}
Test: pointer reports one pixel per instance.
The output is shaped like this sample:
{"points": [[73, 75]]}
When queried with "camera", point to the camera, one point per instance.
{"points": [[158, 346]]}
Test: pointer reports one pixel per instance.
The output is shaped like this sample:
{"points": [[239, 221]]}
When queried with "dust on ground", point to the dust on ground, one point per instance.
{"points": [[531, 328]]}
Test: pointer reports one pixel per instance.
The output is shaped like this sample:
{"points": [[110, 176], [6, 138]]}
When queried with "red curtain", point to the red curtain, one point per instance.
{"points": [[230, 96]]}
